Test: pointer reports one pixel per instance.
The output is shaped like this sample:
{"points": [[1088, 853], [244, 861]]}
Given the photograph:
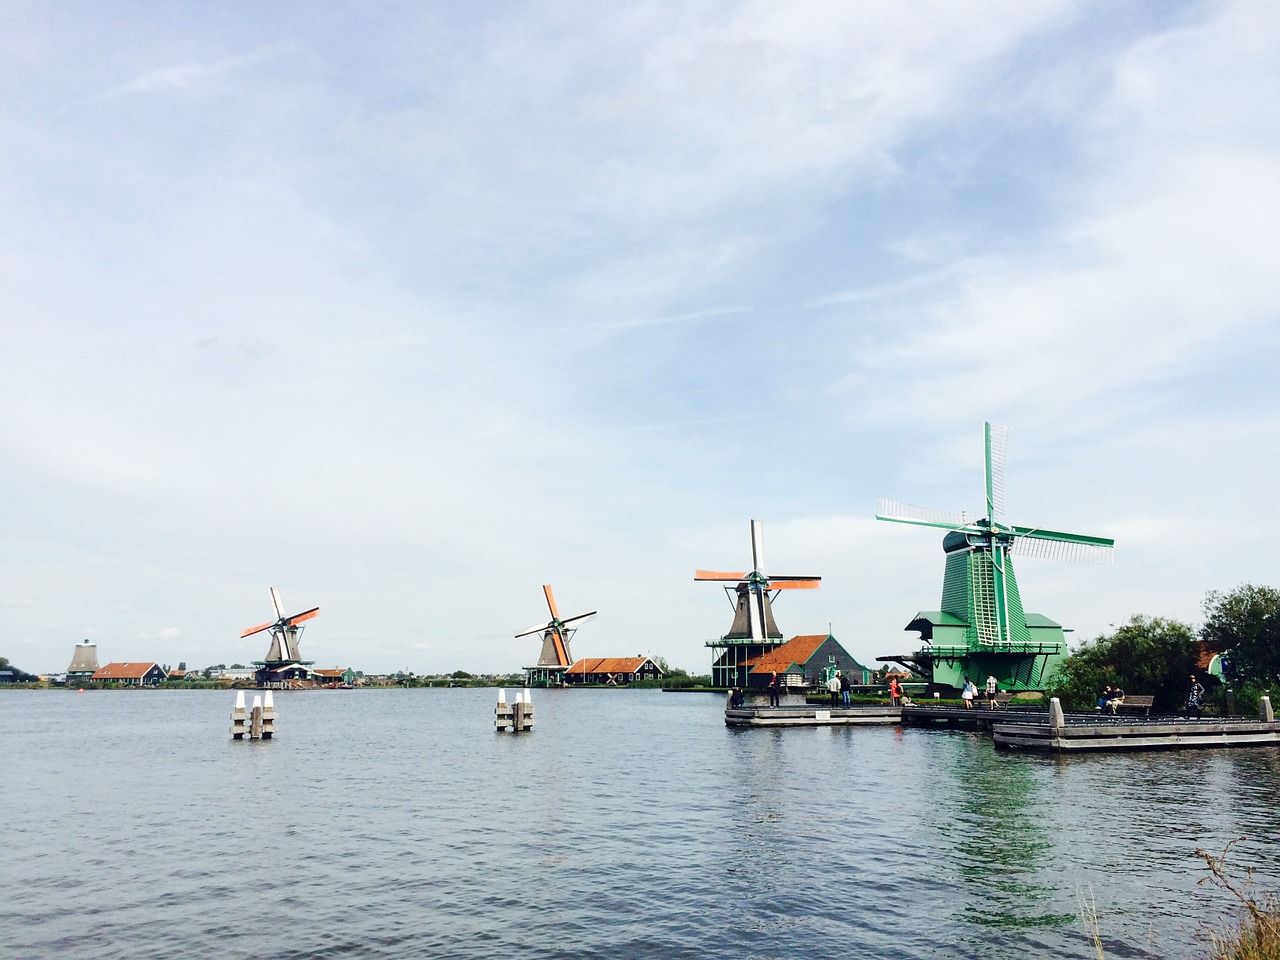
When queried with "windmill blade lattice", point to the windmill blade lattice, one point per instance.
{"points": [[1050, 548], [900, 512], [997, 444]]}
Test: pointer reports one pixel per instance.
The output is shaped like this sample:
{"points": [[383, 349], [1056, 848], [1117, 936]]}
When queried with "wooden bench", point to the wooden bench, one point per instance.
{"points": [[1138, 703]]}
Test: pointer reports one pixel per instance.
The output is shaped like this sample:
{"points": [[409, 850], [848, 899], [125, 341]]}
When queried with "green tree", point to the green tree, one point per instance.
{"points": [[1246, 622], [1147, 655]]}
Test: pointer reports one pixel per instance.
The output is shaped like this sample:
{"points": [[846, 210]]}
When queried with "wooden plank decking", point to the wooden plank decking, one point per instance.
{"points": [[1033, 728], [796, 715], [1083, 733]]}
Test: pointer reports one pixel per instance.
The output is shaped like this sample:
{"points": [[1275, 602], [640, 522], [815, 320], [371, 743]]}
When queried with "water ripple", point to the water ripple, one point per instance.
{"points": [[396, 824]]}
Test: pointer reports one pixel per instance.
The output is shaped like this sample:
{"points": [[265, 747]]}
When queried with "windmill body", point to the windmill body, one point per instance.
{"points": [[753, 632], [982, 628], [555, 657], [283, 665]]}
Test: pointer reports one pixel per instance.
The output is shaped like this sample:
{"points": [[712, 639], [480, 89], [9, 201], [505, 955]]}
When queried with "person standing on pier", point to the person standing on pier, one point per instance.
{"points": [[968, 693], [833, 688], [993, 687], [844, 690], [895, 692], [774, 684], [1195, 697]]}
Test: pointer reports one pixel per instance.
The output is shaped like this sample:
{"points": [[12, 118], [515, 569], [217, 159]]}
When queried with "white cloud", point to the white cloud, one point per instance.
{"points": [[412, 326]]}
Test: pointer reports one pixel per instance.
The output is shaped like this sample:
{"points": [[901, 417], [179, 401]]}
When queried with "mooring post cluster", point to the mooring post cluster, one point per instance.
{"points": [[516, 717], [258, 723]]}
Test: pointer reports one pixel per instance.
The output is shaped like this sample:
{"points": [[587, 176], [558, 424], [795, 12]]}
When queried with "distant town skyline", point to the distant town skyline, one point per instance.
{"points": [[409, 310]]}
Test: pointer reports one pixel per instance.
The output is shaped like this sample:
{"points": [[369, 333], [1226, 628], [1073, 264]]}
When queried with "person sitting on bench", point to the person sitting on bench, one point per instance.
{"points": [[1116, 698]]}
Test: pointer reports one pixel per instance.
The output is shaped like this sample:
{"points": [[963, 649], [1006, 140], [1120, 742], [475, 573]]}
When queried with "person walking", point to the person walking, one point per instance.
{"points": [[1195, 697], [774, 685], [895, 692], [844, 690], [968, 693], [993, 687]]}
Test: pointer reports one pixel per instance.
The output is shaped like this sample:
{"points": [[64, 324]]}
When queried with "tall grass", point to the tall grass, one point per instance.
{"points": [[1256, 936]]}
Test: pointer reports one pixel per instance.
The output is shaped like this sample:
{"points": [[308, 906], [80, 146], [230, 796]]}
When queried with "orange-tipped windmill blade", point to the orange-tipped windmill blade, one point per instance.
{"points": [[798, 583], [299, 617], [258, 629], [551, 601], [714, 575]]}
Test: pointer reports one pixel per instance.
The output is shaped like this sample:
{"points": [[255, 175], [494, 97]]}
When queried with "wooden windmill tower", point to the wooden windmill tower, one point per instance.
{"points": [[753, 631], [982, 628], [283, 662], [555, 658]]}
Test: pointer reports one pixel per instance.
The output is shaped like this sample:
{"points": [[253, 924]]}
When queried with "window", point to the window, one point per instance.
{"points": [[831, 658]]}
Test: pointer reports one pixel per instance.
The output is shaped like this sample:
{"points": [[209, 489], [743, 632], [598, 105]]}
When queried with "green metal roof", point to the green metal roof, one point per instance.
{"points": [[939, 618], [1040, 620]]}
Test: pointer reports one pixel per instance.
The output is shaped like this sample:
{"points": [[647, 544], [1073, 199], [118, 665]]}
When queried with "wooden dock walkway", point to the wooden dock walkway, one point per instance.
{"points": [[1033, 728], [1082, 733], [804, 715]]}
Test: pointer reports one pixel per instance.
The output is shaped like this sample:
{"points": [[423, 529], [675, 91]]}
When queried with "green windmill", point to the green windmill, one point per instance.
{"points": [[982, 629]]}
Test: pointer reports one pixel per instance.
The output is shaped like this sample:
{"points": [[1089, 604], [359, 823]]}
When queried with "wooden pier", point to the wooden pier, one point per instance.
{"points": [[804, 715], [1072, 733]]}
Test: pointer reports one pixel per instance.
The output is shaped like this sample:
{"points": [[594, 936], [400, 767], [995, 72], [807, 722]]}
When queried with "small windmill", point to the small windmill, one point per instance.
{"points": [[555, 658], [753, 630], [285, 632], [982, 628]]}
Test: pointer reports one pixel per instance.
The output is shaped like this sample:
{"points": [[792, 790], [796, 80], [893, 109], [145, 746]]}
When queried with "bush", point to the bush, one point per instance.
{"points": [[1148, 655]]}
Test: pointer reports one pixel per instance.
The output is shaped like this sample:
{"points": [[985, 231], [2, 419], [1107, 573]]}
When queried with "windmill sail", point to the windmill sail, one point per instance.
{"points": [[754, 590], [996, 440], [1053, 548], [556, 633], [285, 631], [981, 613], [899, 512]]}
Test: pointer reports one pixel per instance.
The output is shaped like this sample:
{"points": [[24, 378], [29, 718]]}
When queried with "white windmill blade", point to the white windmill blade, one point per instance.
{"points": [[275, 598], [755, 615], [757, 546], [1053, 549], [581, 616], [900, 512], [541, 628], [997, 442]]}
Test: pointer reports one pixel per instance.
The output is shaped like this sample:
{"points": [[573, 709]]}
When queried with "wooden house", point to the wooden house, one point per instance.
{"points": [[806, 661], [335, 677], [611, 671], [130, 674]]}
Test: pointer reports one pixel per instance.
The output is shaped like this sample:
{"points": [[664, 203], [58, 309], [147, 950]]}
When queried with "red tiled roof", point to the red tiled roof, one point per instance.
{"points": [[796, 650], [608, 665], [1206, 654], [123, 671]]}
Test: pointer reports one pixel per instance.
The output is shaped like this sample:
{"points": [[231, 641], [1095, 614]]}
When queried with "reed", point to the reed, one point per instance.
{"points": [[1256, 936]]}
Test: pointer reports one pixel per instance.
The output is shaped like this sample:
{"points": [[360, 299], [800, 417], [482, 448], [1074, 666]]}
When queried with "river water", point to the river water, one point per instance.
{"points": [[629, 824]]}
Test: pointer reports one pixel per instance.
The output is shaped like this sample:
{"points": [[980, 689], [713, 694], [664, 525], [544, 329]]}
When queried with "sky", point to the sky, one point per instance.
{"points": [[410, 308]]}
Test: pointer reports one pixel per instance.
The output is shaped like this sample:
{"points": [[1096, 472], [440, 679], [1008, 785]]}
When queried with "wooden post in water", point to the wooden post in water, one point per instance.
{"points": [[1057, 721], [517, 717], [239, 719], [268, 716], [503, 714], [1265, 712], [528, 710], [255, 719]]}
